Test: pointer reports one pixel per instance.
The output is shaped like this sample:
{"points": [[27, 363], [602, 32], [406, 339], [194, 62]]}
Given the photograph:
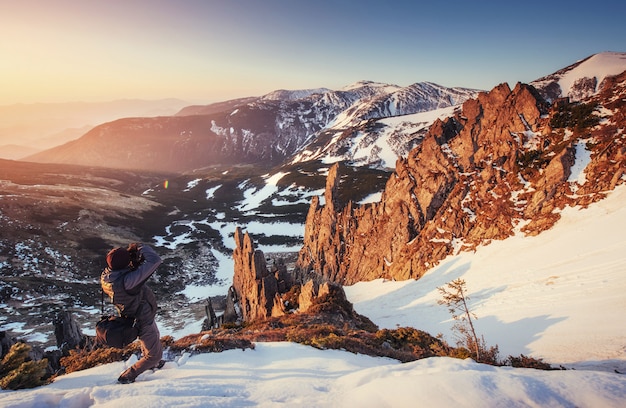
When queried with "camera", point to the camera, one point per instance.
{"points": [[136, 257]]}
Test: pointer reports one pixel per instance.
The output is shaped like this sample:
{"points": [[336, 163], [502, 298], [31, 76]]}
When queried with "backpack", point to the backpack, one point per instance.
{"points": [[116, 331]]}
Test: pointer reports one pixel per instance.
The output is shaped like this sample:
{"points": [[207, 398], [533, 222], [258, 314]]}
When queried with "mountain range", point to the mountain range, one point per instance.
{"points": [[416, 167], [300, 125], [265, 131]]}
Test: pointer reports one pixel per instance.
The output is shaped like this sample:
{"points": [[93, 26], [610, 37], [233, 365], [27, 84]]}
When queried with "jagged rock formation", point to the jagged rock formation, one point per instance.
{"points": [[310, 291], [6, 342], [499, 165], [255, 286], [257, 292]]}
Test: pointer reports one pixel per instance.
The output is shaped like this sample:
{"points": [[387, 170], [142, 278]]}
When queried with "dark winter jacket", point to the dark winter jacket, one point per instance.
{"points": [[127, 289]]}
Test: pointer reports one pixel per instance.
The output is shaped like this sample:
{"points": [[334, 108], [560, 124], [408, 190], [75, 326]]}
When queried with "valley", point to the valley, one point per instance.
{"points": [[58, 222]]}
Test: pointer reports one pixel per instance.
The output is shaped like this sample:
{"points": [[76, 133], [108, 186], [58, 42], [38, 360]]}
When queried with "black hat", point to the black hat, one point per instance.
{"points": [[118, 258]]}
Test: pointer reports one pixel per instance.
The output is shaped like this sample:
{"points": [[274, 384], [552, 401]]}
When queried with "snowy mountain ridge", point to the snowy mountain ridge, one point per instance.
{"points": [[265, 131], [582, 79], [287, 95], [380, 130]]}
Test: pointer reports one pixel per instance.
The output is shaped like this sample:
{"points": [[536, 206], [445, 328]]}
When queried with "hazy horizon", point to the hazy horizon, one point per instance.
{"points": [[208, 51]]}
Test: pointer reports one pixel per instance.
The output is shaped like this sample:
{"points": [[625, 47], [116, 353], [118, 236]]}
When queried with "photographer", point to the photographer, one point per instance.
{"points": [[124, 282]]}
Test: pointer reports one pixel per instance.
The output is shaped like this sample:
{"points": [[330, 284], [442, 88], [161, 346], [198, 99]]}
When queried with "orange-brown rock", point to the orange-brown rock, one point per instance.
{"points": [[497, 165], [256, 288], [257, 292]]}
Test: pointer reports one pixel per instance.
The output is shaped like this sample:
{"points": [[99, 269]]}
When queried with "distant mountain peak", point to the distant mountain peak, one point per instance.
{"points": [[583, 78]]}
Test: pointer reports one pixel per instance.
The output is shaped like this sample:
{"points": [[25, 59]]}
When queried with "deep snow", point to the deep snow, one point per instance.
{"points": [[292, 375]]}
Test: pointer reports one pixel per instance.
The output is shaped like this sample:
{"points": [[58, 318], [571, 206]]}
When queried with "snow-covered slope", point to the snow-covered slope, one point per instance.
{"points": [[559, 296], [388, 101], [582, 79], [291, 375], [379, 143], [379, 122]]}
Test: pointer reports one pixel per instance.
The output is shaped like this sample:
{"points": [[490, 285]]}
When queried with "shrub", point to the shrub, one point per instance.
{"points": [[455, 297], [460, 353], [18, 371], [29, 374], [418, 342], [578, 116], [528, 362], [309, 335], [81, 359], [330, 341], [233, 325]]}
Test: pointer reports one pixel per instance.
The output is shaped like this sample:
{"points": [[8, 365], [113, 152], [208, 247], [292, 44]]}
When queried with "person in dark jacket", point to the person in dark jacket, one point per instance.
{"points": [[124, 281]]}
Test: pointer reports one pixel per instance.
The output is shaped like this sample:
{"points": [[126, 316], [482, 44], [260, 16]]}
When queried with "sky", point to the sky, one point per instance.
{"points": [[209, 50]]}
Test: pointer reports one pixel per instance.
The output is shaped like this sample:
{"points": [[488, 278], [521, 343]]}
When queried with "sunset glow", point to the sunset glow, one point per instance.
{"points": [[202, 51]]}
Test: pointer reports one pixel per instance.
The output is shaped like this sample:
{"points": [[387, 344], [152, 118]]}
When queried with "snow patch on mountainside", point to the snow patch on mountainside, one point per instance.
{"points": [[287, 95], [599, 66], [253, 197], [380, 145]]}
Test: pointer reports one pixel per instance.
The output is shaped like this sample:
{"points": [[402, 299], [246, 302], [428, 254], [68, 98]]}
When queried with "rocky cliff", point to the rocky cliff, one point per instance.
{"points": [[502, 165]]}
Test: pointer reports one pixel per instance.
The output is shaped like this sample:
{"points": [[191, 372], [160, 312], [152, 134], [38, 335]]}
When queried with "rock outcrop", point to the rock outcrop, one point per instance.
{"points": [[255, 287], [68, 334], [257, 292], [6, 341], [499, 166]]}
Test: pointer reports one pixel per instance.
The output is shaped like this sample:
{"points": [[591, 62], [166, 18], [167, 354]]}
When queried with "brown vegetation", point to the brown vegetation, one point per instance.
{"points": [[19, 371]]}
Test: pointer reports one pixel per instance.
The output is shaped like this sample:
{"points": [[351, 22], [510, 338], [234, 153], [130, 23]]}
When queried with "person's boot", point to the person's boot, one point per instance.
{"points": [[159, 366], [127, 376]]}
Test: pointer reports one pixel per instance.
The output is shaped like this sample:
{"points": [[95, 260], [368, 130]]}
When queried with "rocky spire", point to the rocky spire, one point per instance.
{"points": [[255, 286], [257, 293]]}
